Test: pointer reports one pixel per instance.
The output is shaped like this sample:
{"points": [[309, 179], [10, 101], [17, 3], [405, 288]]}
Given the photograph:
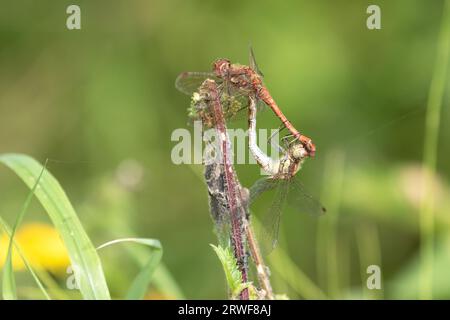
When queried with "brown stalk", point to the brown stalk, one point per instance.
{"points": [[229, 200], [261, 268], [236, 205]]}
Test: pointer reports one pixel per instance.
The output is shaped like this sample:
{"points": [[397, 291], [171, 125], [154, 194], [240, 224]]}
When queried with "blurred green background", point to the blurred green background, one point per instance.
{"points": [[101, 103]]}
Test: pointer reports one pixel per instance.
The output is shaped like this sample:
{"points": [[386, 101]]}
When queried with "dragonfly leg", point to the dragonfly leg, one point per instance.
{"points": [[293, 140], [286, 141], [242, 108], [273, 143]]}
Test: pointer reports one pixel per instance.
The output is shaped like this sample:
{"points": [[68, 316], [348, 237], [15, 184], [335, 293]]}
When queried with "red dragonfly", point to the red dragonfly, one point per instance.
{"points": [[282, 179], [236, 81]]}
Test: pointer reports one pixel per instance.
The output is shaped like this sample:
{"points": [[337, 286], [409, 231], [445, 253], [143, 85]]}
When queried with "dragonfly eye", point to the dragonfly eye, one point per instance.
{"points": [[221, 67], [298, 152]]}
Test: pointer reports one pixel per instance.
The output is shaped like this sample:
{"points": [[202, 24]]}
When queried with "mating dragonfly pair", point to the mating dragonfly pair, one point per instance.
{"points": [[241, 88]]}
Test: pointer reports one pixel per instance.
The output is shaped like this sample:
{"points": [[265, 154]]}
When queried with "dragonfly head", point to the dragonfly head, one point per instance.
{"points": [[298, 152], [221, 67]]}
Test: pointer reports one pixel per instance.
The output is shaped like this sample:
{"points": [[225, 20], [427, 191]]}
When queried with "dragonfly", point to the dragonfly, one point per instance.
{"points": [[236, 84], [282, 178]]}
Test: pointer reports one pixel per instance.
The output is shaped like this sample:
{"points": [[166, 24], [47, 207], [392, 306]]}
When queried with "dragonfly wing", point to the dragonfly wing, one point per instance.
{"points": [[271, 219], [261, 186], [252, 61], [302, 201], [241, 99], [244, 102], [261, 106], [189, 82], [234, 102]]}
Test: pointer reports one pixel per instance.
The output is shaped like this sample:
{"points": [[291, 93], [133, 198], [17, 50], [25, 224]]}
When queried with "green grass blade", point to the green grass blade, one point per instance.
{"points": [[434, 106], [281, 263], [163, 280], [83, 256], [9, 283], [328, 259], [369, 253], [166, 284], [140, 284]]}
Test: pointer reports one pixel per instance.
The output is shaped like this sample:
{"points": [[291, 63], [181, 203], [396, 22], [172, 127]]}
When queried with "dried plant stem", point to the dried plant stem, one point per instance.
{"points": [[261, 269], [229, 200], [233, 188]]}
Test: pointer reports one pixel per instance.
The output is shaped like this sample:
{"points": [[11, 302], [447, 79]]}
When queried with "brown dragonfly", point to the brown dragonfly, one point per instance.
{"points": [[236, 84], [282, 178]]}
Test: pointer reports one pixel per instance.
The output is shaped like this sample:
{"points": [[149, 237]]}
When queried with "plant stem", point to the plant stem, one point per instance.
{"points": [[327, 235], [233, 188], [434, 105], [263, 275], [369, 252]]}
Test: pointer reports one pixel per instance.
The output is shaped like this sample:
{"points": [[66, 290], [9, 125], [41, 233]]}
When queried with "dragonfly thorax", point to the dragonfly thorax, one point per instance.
{"points": [[291, 163], [288, 167]]}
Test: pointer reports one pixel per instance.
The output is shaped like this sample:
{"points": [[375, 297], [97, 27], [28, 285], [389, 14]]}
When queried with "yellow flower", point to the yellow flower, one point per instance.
{"points": [[41, 245]]}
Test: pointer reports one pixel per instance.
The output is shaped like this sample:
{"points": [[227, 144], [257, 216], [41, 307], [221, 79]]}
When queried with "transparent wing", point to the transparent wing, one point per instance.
{"points": [[252, 61], [234, 102], [271, 219], [236, 108], [189, 82], [261, 186], [302, 201], [261, 106]]}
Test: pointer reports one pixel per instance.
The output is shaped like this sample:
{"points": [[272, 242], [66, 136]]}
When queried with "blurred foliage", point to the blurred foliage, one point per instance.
{"points": [[100, 103]]}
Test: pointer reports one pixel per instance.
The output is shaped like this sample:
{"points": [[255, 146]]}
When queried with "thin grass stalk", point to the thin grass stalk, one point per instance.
{"points": [[369, 251], [328, 266], [261, 269], [434, 106]]}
